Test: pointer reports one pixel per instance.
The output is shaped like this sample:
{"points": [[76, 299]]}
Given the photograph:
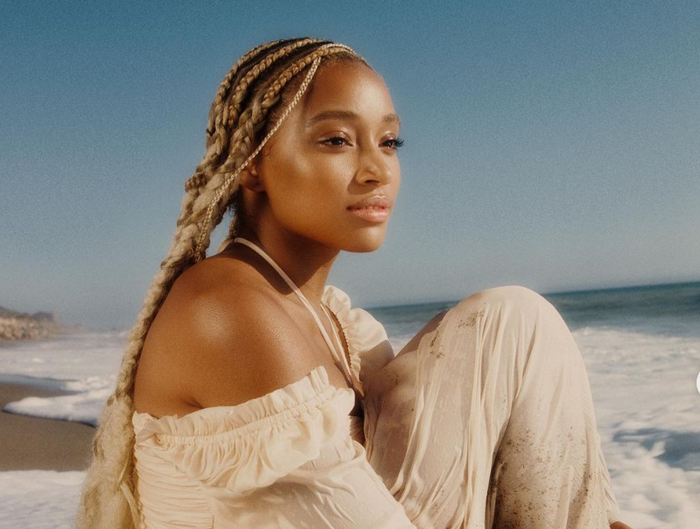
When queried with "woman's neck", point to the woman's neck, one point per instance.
{"points": [[307, 263]]}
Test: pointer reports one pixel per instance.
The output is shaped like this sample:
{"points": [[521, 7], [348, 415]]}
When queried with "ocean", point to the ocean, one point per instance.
{"points": [[641, 347], [669, 309]]}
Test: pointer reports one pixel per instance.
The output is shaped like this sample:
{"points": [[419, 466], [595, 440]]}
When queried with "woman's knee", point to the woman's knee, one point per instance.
{"points": [[516, 294], [513, 314], [516, 298]]}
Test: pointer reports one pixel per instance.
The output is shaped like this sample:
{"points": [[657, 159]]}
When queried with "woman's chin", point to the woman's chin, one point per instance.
{"points": [[365, 243]]}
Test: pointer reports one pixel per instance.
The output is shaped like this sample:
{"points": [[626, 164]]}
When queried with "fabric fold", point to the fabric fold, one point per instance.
{"points": [[251, 445], [368, 343]]}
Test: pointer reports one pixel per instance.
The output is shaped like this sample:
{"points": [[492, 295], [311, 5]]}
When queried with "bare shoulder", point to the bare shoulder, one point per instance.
{"points": [[222, 336]]}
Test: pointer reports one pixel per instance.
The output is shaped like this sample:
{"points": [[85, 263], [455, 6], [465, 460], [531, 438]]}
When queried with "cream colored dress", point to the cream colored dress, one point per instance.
{"points": [[488, 423]]}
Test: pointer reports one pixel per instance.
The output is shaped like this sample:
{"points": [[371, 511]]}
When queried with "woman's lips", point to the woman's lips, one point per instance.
{"points": [[372, 214]]}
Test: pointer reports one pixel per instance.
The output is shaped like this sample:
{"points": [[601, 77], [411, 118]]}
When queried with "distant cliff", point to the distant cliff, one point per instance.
{"points": [[20, 326]]}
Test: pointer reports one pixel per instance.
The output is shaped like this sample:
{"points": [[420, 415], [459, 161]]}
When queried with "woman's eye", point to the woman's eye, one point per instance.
{"points": [[394, 143], [335, 141]]}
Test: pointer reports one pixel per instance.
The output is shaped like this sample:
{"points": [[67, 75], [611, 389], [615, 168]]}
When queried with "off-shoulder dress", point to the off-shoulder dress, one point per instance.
{"points": [[488, 422]]}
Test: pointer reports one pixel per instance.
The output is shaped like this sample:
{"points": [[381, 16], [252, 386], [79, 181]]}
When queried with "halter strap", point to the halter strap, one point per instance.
{"points": [[307, 304]]}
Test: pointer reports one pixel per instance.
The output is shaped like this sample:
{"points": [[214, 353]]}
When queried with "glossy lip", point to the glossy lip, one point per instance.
{"points": [[379, 213], [371, 215], [375, 200]]}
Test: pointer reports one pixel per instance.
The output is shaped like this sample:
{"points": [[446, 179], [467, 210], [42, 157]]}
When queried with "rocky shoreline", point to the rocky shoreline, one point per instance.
{"points": [[16, 326]]}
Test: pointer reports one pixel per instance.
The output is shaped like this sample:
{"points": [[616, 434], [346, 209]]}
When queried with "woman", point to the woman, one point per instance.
{"points": [[253, 395]]}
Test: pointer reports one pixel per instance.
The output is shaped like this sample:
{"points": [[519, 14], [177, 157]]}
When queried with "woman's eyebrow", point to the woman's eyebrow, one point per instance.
{"points": [[346, 114]]}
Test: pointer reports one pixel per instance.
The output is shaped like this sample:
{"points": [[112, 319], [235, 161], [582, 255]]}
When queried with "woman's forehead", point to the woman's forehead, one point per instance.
{"points": [[344, 91]]}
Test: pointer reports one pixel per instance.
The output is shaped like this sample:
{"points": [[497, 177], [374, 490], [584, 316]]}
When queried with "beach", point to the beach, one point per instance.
{"points": [[42, 462], [641, 348], [36, 443]]}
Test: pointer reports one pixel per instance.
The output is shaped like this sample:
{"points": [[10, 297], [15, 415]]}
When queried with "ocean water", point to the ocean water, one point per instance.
{"points": [[641, 347], [669, 310]]}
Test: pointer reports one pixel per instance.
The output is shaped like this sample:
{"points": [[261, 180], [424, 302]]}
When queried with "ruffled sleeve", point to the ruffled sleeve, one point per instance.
{"points": [[368, 343], [251, 445]]}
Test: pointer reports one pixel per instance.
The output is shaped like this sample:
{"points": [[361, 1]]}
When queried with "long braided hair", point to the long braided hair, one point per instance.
{"points": [[251, 103]]}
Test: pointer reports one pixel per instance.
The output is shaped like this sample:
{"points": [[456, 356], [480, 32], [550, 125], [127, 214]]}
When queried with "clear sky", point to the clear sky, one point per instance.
{"points": [[554, 145]]}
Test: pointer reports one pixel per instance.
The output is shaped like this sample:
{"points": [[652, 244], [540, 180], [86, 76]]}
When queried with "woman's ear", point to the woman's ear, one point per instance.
{"points": [[250, 179]]}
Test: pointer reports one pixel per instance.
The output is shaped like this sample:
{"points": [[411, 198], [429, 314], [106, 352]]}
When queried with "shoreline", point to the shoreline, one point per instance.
{"points": [[35, 443]]}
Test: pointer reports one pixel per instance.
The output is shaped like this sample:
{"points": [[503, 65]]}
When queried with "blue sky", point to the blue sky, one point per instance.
{"points": [[554, 145]]}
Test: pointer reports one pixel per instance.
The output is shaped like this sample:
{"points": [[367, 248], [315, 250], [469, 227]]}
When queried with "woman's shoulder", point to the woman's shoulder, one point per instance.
{"points": [[214, 278], [218, 339], [210, 303]]}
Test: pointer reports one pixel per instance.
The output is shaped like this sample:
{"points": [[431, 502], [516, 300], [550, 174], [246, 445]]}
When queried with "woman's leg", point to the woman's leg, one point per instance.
{"points": [[486, 420]]}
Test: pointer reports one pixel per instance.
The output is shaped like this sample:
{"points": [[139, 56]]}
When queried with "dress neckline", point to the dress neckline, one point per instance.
{"points": [[314, 382]]}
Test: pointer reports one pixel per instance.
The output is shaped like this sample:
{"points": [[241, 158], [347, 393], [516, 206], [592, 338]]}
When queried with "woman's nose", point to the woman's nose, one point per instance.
{"points": [[374, 165]]}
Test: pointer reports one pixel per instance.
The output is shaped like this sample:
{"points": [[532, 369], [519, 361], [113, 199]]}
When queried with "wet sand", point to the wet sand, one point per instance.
{"points": [[32, 443]]}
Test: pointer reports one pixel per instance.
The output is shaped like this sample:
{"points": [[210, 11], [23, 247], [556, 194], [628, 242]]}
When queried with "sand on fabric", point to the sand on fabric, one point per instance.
{"points": [[31, 443]]}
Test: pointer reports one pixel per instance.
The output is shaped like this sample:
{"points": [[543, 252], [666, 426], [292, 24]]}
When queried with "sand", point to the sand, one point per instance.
{"points": [[31, 443]]}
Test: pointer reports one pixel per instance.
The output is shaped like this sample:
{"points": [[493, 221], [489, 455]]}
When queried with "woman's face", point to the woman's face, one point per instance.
{"points": [[336, 148]]}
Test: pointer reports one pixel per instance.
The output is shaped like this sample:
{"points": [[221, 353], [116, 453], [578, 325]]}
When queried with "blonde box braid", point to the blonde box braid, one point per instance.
{"points": [[108, 497], [199, 250]]}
